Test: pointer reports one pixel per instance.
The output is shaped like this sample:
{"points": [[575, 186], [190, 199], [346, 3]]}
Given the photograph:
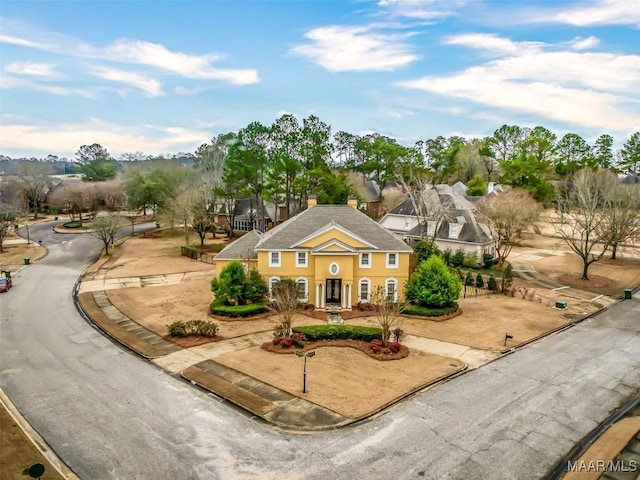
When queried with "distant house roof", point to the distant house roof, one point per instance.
{"points": [[297, 228], [242, 248], [631, 180], [459, 188], [461, 212]]}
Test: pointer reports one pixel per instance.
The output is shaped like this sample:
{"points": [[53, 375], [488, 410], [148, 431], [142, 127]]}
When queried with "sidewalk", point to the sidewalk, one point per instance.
{"points": [[197, 364]]}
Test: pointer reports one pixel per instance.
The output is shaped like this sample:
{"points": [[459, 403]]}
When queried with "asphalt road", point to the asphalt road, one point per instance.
{"points": [[110, 415]]}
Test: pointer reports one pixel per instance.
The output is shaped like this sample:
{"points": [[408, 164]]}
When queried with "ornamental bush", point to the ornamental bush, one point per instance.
{"points": [[229, 285], [203, 328], [433, 285]]}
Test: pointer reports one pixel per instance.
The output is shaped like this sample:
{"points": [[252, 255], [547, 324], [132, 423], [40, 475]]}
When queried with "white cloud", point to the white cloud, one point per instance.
{"points": [[22, 42], [422, 9], [186, 65], [31, 68], [492, 43], [347, 48], [9, 82], [137, 52], [598, 12], [151, 86], [588, 89], [580, 43], [62, 139]]}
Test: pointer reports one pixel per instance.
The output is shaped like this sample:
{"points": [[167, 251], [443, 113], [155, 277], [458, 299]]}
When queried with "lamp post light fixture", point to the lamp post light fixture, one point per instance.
{"points": [[301, 354], [28, 240]]}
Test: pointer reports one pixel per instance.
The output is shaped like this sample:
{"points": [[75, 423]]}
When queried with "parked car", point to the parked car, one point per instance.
{"points": [[5, 284]]}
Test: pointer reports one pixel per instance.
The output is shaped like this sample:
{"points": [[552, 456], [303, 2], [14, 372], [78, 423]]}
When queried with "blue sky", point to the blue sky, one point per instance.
{"points": [[166, 76]]}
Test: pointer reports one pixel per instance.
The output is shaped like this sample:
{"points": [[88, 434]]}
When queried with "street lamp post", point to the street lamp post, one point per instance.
{"points": [[28, 240], [301, 354]]}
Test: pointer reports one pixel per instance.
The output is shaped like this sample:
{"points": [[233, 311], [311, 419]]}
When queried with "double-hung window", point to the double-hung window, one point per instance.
{"points": [[274, 259], [301, 259], [392, 260], [365, 260]]}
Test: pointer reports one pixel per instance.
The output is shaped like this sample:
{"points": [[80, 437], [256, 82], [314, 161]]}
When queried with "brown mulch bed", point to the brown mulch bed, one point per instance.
{"points": [[192, 341], [357, 344], [260, 316], [439, 318]]}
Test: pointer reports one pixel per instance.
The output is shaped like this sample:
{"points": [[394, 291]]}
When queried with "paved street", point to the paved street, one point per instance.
{"points": [[111, 415]]}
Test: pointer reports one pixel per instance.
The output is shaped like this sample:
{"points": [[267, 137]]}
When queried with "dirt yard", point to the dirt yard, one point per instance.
{"points": [[606, 277], [343, 379]]}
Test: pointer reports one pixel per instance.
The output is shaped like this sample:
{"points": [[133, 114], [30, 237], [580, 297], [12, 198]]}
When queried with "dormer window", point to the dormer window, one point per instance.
{"points": [[454, 230], [431, 228]]}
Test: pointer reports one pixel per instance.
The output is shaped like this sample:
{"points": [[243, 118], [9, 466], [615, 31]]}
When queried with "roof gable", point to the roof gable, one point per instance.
{"points": [[359, 230], [333, 231]]}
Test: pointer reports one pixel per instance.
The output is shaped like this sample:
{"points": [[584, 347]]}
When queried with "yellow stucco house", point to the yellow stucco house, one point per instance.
{"points": [[336, 254]]}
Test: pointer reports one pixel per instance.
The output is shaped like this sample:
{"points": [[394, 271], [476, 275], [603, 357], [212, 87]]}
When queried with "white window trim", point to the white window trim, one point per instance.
{"points": [[368, 282], [397, 260], [306, 260], [272, 263], [395, 289], [305, 298], [360, 260], [272, 280]]}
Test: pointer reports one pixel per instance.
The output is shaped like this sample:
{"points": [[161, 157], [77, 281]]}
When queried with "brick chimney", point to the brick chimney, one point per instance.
{"points": [[311, 201]]}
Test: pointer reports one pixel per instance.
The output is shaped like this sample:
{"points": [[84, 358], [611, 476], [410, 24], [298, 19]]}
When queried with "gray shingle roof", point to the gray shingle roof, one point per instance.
{"points": [[242, 248], [289, 233]]}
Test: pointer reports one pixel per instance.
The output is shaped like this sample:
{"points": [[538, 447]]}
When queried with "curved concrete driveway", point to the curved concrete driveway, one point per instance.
{"points": [[111, 415]]}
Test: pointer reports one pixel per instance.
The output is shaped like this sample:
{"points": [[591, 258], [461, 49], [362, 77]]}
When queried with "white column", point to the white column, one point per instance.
{"points": [[318, 304], [349, 304], [322, 295], [344, 295]]}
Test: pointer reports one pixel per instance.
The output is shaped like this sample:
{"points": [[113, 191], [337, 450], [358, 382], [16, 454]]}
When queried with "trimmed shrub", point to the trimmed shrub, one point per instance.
{"points": [[203, 328], [235, 311], [470, 260], [433, 285], [430, 312], [229, 285], [339, 332], [394, 347], [457, 259], [74, 224], [487, 260], [255, 288], [426, 248], [468, 279], [492, 284], [479, 281]]}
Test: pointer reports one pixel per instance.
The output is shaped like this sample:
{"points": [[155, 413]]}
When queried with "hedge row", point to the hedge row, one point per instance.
{"points": [[429, 312], [238, 310], [339, 332]]}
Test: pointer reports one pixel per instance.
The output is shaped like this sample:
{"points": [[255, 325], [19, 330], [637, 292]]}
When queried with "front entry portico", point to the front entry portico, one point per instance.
{"points": [[333, 290]]}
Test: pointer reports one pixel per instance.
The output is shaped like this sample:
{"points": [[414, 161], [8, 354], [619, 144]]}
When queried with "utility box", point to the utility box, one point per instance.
{"points": [[627, 293], [561, 304]]}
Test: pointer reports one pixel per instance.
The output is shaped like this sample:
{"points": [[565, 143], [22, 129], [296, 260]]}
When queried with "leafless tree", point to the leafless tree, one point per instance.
{"points": [[584, 204], [9, 217], [33, 178], [105, 229], [507, 215], [387, 312], [425, 199], [286, 300], [622, 218]]}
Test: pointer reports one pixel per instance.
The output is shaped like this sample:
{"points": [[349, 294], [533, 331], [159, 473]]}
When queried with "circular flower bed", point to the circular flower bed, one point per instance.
{"points": [[373, 349]]}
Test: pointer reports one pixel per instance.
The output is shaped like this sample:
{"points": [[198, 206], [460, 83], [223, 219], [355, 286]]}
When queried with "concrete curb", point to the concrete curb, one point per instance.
{"points": [[34, 437]]}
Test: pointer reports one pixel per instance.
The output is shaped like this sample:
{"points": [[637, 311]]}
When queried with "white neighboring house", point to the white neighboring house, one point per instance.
{"points": [[459, 230]]}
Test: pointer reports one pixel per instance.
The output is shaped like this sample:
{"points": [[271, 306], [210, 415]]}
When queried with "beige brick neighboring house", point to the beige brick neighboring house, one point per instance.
{"points": [[336, 254], [460, 229]]}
